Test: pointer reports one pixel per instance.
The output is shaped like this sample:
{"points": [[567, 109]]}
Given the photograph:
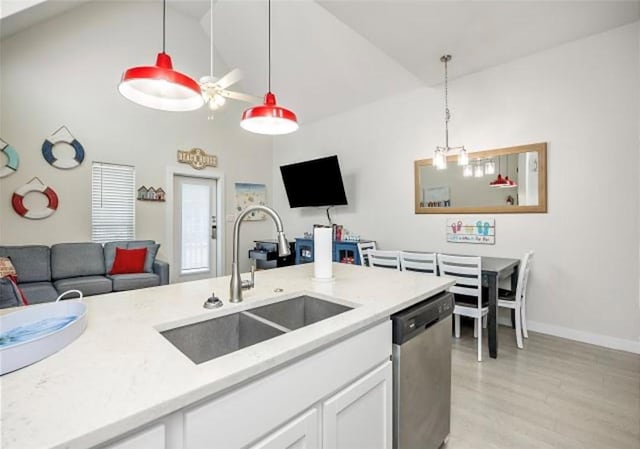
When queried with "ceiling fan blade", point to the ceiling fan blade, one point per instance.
{"points": [[230, 78], [240, 96]]}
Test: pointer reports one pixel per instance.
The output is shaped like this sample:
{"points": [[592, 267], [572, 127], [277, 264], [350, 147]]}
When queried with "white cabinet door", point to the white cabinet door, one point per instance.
{"points": [[152, 438], [359, 416], [301, 433]]}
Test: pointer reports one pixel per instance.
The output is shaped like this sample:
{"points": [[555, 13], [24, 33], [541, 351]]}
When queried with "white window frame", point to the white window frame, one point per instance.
{"points": [[113, 202]]}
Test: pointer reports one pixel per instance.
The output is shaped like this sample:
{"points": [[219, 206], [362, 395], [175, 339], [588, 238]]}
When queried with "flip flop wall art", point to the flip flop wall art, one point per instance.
{"points": [[471, 230]]}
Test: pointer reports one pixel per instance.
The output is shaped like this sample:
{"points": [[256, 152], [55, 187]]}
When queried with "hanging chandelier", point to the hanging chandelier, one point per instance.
{"points": [[159, 86], [440, 155], [269, 118]]}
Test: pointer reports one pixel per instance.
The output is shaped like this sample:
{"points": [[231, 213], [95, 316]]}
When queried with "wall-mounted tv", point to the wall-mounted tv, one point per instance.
{"points": [[314, 183]]}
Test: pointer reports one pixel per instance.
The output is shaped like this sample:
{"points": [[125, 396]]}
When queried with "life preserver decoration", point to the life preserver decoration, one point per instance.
{"points": [[62, 135], [13, 160], [17, 200]]}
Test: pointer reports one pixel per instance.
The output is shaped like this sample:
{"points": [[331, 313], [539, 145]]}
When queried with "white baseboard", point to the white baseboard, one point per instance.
{"points": [[584, 337]]}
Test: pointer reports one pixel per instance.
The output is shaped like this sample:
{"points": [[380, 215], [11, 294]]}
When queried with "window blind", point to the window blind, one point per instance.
{"points": [[112, 202]]}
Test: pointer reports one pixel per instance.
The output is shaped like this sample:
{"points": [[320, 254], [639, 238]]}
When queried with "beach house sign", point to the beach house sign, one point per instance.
{"points": [[197, 158]]}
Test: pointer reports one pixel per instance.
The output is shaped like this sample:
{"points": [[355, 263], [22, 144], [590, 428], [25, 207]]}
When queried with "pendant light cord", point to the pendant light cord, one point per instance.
{"points": [[447, 114], [269, 45], [164, 24], [211, 31]]}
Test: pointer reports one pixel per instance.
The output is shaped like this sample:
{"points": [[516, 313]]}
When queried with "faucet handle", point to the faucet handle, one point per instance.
{"points": [[250, 284]]}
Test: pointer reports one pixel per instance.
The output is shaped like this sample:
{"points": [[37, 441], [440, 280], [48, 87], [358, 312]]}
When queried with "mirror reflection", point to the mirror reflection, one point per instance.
{"points": [[504, 180]]}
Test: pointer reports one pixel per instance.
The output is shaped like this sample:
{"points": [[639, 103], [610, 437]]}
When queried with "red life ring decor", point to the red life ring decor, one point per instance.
{"points": [[17, 200]]}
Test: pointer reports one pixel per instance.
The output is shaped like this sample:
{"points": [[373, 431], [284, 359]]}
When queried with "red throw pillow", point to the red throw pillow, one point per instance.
{"points": [[129, 261]]}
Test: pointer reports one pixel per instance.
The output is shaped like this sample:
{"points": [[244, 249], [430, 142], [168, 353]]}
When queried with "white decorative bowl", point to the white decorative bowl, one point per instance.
{"points": [[35, 332]]}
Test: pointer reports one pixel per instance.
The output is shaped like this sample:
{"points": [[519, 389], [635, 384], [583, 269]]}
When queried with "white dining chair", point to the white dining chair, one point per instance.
{"points": [[362, 252], [420, 262], [516, 301], [467, 271], [384, 259]]}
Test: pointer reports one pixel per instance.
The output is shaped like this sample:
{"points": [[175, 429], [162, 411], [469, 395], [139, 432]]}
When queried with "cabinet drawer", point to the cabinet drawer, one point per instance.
{"points": [[301, 433], [152, 438], [243, 415]]}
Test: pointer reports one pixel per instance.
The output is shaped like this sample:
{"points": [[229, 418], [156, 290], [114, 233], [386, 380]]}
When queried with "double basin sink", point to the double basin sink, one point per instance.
{"points": [[213, 338]]}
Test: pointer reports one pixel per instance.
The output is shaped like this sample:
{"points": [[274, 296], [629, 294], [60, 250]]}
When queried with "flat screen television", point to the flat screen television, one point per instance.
{"points": [[314, 183]]}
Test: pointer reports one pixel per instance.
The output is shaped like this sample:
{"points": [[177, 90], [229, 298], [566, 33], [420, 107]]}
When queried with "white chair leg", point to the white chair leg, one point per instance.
{"points": [[479, 340], [484, 321], [519, 330], [456, 325], [524, 321], [475, 328]]}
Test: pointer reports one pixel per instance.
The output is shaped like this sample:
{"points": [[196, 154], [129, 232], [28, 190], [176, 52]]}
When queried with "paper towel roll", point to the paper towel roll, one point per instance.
{"points": [[322, 253]]}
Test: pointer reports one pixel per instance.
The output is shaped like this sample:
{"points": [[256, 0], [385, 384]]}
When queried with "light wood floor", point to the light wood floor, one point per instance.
{"points": [[554, 393]]}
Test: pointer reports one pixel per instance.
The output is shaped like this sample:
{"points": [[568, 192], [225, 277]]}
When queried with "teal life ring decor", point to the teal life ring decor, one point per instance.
{"points": [[62, 136], [13, 160]]}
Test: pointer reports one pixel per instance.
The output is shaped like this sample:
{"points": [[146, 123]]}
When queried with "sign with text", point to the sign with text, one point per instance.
{"points": [[471, 230], [197, 158]]}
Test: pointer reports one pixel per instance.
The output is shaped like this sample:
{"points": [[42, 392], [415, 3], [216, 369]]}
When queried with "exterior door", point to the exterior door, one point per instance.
{"points": [[195, 227]]}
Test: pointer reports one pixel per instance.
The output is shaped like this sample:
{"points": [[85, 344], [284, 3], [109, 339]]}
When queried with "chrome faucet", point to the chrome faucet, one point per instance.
{"points": [[237, 285]]}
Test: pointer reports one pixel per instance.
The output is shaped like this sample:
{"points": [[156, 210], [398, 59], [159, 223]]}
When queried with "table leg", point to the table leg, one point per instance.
{"points": [[492, 280]]}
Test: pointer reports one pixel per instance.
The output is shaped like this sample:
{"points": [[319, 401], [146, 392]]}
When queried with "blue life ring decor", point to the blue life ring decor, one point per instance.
{"points": [[17, 200], [13, 160], [62, 135]]}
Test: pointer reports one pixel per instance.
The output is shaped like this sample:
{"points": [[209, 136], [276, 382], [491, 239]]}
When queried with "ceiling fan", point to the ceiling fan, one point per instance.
{"points": [[214, 90]]}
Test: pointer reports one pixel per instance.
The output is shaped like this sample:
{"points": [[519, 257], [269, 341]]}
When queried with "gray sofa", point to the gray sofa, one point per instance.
{"points": [[46, 272]]}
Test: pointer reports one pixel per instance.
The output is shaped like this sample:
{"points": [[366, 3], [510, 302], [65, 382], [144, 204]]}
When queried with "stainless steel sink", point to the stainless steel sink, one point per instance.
{"points": [[209, 339], [300, 311], [214, 338]]}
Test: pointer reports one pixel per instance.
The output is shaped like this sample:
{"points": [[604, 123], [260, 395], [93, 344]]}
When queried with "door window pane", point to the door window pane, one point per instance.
{"points": [[196, 214]]}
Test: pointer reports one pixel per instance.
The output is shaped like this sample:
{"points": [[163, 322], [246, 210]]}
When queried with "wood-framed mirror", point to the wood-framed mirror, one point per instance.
{"points": [[472, 189]]}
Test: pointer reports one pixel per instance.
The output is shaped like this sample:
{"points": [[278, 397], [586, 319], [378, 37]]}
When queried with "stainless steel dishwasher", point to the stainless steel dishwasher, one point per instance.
{"points": [[422, 374]]}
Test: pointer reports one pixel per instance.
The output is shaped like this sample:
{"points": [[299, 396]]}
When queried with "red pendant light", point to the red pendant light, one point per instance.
{"points": [[269, 118], [159, 86]]}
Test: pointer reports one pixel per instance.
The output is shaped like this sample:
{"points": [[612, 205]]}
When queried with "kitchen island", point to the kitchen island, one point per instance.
{"points": [[123, 385]]}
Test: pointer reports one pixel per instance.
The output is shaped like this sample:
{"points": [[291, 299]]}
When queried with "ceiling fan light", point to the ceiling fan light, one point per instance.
{"points": [[467, 171], [161, 87], [490, 168], [269, 118], [478, 171]]}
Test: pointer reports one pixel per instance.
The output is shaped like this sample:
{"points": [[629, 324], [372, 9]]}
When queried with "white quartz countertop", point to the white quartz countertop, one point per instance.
{"points": [[122, 373]]}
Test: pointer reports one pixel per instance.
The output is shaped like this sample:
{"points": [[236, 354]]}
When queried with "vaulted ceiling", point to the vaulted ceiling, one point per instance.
{"points": [[329, 56]]}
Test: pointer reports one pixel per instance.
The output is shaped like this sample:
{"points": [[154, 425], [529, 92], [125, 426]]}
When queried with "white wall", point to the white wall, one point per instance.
{"points": [[66, 71], [581, 98]]}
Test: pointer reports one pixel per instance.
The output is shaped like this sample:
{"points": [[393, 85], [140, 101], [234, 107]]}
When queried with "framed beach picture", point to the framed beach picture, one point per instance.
{"points": [[248, 194]]}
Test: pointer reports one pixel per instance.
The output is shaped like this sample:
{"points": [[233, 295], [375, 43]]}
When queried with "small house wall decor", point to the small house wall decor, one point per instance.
{"points": [[197, 158], [151, 194], [62, 136], [35, 185], [471, 230], [13, 160]]}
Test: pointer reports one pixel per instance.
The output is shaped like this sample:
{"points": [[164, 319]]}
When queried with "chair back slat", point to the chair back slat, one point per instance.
{"points": [[362, 252], [420, 262], [467, 272], [384, 259]]}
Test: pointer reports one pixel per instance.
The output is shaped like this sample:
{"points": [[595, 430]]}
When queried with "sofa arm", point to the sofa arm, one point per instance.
{"points": [[161, 269]]}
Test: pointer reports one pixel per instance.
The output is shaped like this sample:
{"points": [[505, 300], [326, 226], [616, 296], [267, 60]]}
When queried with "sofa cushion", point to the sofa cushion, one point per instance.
{"points": [[76, 259], [37, 292], [32, 262], [123, 282], [8, 294], [152, 252], [88, 285]]}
